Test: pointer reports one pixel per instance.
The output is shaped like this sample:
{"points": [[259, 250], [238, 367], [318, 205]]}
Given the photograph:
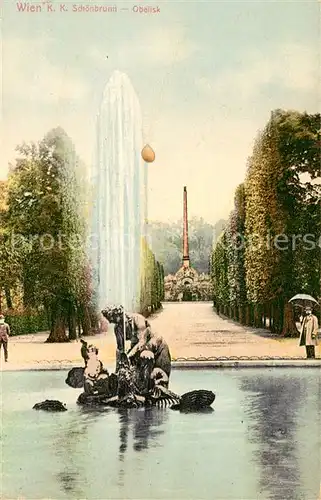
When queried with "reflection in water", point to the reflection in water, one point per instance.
{"points": [[206, 410], [66, 446], [274, 412], [123, 432], [71, 444], [68, 480], [145, 425]]}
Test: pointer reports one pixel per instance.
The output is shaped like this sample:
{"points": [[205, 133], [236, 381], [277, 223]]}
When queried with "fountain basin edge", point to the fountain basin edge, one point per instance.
{"points": [[192, 365]]}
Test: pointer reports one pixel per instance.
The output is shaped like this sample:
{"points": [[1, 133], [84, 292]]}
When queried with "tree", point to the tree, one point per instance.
{"points": [[299, 136], [45, 210], [201, 236], [219, 273], [235, 238], [240, 272], [275, 211], [152, 285], [10, 268], [298, 139], [278, 200]]}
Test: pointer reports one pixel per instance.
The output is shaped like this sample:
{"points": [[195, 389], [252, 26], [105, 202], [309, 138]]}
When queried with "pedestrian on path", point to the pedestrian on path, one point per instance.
{"points": [[309, 332], [4, 336]]}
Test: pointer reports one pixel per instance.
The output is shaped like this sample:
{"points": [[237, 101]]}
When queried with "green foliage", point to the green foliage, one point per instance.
{"points": [[281, 199], [264, 217], [220, 271], [227, 260], [10, 267], [46, 220], [152, 281], [239, 216], [277, 212], [22, 324]]}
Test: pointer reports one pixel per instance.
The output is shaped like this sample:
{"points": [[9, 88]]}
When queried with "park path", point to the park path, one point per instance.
{"points": [[193, 329]]}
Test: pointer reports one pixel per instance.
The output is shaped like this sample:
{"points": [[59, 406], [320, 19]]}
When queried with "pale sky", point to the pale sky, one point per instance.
{"points": [[207, 75]]}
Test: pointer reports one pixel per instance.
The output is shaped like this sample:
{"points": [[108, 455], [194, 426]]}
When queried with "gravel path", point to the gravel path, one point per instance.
{"points": [[193, 329]]}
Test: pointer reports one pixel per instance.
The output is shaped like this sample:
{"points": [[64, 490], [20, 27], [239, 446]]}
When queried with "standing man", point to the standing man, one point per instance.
{"points": [[4, 336], [309, 332]]}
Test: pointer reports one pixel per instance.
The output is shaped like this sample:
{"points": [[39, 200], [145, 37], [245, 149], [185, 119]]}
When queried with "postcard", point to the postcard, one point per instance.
{"points": [[160, 250]]}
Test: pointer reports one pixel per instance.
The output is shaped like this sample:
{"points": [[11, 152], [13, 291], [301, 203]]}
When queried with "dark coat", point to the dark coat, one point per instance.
{"points": [[4, 332]]}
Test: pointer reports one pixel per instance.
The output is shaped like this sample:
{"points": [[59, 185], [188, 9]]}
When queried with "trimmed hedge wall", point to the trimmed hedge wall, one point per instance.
{"points": [[24, 325]]}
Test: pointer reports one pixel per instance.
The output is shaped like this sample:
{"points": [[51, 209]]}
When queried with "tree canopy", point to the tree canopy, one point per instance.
{"points": [[45, 218], [277, 215]]}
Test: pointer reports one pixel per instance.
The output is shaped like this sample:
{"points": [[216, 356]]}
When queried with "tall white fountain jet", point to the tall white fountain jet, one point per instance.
{"points": [[119, 196]]}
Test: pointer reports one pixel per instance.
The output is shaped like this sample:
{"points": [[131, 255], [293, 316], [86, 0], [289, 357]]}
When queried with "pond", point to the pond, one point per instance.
{"points": [[262, 441]]}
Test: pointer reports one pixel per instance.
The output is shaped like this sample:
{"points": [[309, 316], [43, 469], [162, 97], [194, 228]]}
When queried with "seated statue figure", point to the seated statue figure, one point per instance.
{"points": [[96, 378], [127, 326], [147, 341], [141, 378], [134, 324], [138, 331]]}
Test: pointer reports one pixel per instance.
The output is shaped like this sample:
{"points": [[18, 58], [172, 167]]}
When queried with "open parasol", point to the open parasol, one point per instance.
{"points": [[303, 300]]}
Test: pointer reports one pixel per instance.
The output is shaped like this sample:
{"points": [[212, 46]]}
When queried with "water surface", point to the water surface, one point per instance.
{"points": [[262, 441]]}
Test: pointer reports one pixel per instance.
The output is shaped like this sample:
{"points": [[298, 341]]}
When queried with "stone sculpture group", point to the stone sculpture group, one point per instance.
{"points": [[141, 378]]}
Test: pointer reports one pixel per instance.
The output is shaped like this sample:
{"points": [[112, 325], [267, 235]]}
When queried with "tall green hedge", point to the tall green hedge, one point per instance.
{"points": [[27, 324], [152, 281], [257, 265]]}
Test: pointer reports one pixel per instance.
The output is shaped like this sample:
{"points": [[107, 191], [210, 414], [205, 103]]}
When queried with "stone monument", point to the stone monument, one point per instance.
{"points": [[187, 284], [141, 377]]}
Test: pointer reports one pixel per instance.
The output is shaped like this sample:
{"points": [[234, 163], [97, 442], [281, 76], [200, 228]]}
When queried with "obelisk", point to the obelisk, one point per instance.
{"points": [[185, 230]]}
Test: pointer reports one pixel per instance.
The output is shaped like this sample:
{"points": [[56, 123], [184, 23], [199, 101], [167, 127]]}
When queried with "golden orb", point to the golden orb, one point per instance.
{"points": [[148, 154]]}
